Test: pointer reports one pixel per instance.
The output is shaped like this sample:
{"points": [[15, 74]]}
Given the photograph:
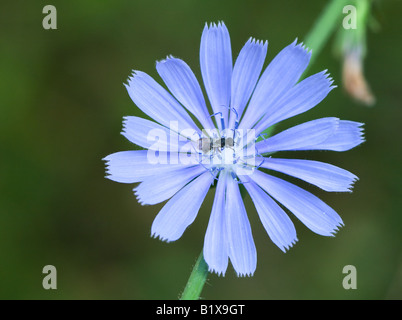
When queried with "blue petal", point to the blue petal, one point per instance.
{"points": [[215, 244], [246, 71], [135, 166], [150, 135], [242, 251], [304, 136], [302, 97], [274, 219], [281, 74], [347, 135], [216, 67], [182, 82], [325, 176], [149, 192], [180, 211], [313, 212], [156, 102]]}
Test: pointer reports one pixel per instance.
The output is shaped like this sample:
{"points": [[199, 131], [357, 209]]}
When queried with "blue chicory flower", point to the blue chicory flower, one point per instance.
{"points": [[241, 99]]}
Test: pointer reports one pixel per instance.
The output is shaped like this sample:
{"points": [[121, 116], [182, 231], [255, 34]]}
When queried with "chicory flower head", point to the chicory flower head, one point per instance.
{"points": [[188, 148]]}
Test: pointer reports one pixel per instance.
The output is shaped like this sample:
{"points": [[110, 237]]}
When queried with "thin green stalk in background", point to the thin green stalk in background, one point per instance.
{"points": [[315, 40], [325, 25]]}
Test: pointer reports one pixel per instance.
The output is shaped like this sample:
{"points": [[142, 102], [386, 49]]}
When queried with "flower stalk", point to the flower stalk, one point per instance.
{"points": [[196, 281]]}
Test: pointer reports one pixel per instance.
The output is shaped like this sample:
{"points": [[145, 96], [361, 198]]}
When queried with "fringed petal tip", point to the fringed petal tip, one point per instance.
{"points": [[214, 25], [336, 229], [287, 248], [138, 197], [124, 126], [349, 134], [134, 73], [302, 46], [168, 57], [219, 273], [245, 274], [107, 166], [357, 130], [255, 41], [351, 185], [329, 79], [124, 132], [107, 159], [361, 131], [108, 171], [160, 237]]}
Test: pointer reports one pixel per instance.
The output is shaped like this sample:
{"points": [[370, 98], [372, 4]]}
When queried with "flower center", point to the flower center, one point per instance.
{"points": [[231, 151]]}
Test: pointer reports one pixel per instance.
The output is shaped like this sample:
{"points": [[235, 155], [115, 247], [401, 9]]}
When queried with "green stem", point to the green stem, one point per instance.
{"points": [[324, 26], [196, 281]]}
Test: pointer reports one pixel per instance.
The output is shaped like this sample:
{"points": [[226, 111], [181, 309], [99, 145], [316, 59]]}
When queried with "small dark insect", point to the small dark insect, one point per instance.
{"points": [[205, 144], [208, 144], [228, 141]]}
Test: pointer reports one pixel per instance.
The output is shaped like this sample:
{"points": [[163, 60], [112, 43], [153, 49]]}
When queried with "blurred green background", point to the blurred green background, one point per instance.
{"points": [[62, 100]]}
